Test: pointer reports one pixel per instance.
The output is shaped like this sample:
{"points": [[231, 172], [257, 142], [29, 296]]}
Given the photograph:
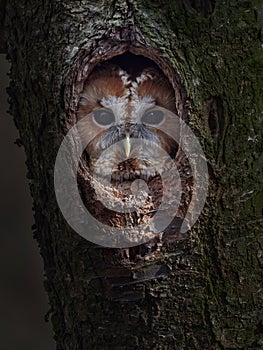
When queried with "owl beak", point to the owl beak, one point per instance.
{"points": [[127, 145]]}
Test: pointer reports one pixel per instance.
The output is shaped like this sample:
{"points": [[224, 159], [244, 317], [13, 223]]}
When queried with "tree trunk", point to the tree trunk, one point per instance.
{"points": [[203, 292]]}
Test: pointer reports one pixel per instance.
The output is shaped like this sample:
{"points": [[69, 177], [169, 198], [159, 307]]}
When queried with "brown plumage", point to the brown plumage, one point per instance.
{"points": [[123, 121]]}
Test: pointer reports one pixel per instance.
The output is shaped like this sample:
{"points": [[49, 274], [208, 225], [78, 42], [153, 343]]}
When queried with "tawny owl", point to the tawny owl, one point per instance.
{"points": [[126, 122]]}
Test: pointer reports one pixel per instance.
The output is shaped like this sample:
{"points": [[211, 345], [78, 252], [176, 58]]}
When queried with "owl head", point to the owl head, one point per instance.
{"points": [[116, 106]]}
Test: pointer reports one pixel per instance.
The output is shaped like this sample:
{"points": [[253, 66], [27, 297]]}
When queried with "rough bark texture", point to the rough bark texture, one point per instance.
{"points": [[202, 293]]}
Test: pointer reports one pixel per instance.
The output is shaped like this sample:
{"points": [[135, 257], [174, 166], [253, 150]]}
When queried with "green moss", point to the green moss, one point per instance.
{"points": [[210, 298]]}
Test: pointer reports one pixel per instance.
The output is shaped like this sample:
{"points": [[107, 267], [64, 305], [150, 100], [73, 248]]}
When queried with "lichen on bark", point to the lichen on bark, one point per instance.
{"points": [[203, 293]]}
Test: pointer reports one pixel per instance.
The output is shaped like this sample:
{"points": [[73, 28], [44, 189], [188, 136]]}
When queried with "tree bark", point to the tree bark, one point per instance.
{"points": [[204, 292]]}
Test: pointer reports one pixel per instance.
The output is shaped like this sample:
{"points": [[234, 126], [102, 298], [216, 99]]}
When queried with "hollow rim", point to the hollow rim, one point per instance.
{"points": [[106, 49]]}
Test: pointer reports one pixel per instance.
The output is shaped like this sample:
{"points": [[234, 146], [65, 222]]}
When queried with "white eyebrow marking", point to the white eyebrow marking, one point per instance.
{"points": [[125, 109], [111, 101], [118, 106]]}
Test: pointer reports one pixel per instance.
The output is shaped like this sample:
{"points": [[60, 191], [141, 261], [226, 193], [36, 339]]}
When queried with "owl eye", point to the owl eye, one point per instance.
{"points": [[155, 117], [103, 118]]}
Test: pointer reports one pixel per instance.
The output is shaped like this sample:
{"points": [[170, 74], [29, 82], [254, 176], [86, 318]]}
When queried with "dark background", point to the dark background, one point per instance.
{"points": [[23, 300]]}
